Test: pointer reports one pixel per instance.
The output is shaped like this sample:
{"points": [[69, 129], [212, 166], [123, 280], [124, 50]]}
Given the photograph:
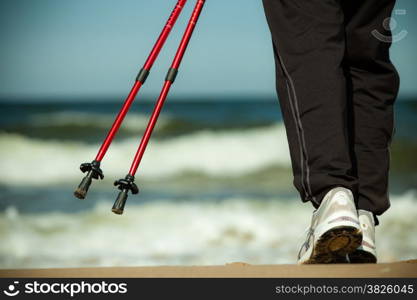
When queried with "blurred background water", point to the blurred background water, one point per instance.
{"points": [[216, 182]]}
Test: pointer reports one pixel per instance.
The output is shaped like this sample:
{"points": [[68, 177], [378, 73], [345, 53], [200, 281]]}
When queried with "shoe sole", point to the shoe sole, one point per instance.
{"points": [[362, 257], [335, 244]]}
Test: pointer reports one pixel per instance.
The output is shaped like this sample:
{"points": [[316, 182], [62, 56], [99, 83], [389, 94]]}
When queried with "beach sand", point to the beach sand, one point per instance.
{"points": [[233, 270]]}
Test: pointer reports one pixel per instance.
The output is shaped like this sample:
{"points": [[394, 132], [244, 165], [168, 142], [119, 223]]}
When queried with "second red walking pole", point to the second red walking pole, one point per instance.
{"points": [[127, 184]]}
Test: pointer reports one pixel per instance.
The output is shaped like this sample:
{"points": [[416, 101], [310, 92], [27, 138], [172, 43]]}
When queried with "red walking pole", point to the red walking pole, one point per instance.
{"points": [[126, 184], [93, 169]]}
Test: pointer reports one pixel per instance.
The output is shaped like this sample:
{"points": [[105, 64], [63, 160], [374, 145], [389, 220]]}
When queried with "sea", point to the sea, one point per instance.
{"points": [[215, 186]]}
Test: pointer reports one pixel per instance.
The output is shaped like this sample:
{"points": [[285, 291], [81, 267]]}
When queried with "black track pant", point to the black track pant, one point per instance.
{"points": [[337, 88]]}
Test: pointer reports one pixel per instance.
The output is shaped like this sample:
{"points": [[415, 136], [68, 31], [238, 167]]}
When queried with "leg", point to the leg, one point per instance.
{"points": [[309, 44], [373, 83]]}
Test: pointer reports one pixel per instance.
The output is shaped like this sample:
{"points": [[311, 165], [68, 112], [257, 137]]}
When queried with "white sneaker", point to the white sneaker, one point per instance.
{"points": [[334, 231], [366, 252]]}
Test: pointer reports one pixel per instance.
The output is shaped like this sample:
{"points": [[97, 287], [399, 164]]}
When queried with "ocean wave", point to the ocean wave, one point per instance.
{"points": [[184, 233], [92, 126], [133, 121], [220, 154]]}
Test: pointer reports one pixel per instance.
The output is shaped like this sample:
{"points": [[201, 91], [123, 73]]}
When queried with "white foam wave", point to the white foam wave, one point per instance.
{"points": [[226, 153], [185, 233], [133, 121]]}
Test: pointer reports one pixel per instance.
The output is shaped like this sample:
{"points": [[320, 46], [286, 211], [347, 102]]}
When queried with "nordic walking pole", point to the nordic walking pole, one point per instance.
{"points": [[93, 169], [127, 184]]}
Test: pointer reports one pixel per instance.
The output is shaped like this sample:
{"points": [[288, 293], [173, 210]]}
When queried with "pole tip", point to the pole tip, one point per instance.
{"points": [[80, 194], [120, 202], [93, 172], [117, 211], [82, 189]]}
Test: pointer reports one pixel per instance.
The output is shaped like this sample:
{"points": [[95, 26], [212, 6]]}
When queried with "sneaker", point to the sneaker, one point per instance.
{"points": [[366, 252], [334, 231]]}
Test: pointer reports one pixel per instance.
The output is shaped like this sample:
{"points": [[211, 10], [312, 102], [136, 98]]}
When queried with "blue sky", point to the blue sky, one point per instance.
{"points": [[94, 48]]}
